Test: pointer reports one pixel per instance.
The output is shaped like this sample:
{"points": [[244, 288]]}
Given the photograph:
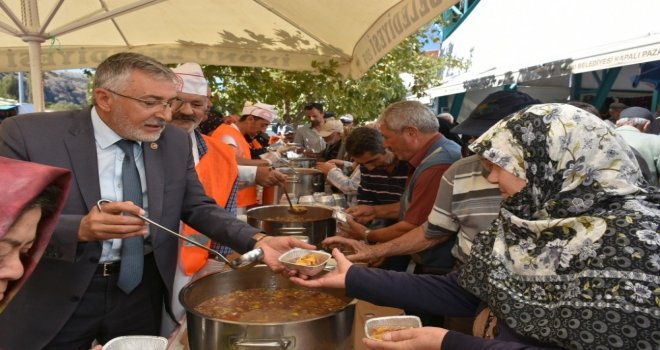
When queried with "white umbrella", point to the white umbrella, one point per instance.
{"points": [[285, 34]]}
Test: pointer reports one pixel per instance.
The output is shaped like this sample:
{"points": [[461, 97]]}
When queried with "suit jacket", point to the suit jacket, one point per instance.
{"points": [[66, 139]]}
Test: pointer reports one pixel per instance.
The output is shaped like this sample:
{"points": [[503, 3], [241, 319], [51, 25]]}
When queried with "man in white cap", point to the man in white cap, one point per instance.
{"points": [[347, 120], [331, 132], [216, 167], [255, 118], [632, 125]]}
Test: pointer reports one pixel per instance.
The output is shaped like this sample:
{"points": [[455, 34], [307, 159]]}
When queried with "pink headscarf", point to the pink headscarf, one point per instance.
{"points": [[20, 183]]}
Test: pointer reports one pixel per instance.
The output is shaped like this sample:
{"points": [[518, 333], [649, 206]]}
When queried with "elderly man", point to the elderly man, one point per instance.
{"points": [[347, 120], [632, 125], [410, 130], [308, 135], [254, 119], [332, 133], [216, 167], [106, 274]]}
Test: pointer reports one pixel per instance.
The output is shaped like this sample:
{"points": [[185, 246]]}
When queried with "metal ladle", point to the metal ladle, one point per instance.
{"points": [[244, 261], [295, 210]]}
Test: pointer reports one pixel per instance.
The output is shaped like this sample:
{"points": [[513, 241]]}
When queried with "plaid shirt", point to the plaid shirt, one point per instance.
{"points": [[231, 206]]}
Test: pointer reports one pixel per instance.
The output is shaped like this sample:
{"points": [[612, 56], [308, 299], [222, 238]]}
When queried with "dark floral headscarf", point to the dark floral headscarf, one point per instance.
{"points": [[574, 258]]}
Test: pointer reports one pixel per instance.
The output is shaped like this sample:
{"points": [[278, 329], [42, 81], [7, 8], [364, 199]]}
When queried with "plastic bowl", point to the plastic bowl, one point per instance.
{"points": [[136, 342], [289, 259], [376, 326]]}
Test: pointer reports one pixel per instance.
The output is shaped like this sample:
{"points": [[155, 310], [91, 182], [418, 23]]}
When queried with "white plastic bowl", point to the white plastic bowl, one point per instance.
{"points": [[289, 258], [136, 342], [400, 322]]}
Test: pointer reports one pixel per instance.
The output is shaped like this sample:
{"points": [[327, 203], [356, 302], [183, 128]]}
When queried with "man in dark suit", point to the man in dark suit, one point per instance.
{"points": [[73, 296]]}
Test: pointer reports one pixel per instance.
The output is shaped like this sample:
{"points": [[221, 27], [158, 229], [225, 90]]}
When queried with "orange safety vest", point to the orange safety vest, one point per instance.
{"points": [[256, 144], [273, 139], [217, 171], [248, 195]]}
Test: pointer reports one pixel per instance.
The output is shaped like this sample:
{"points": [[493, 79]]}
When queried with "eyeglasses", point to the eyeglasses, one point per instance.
{"points": [[153, 104]]}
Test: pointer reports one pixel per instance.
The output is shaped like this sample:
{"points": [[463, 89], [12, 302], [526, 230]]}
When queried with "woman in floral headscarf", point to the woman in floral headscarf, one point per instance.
{"points": [[32, 198], [572, 261]]}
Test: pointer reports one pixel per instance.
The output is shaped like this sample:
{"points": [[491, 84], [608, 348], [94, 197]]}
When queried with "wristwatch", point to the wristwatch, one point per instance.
{"points": [[256, 238]]}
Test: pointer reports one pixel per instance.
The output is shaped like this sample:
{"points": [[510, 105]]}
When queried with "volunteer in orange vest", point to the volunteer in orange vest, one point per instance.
{"points": [[215, 164], [254, 118]]}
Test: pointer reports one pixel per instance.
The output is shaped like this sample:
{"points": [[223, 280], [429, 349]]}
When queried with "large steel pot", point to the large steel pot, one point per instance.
{"points": [[302, 182], [303, 162], [332, 331], [317, 223]]}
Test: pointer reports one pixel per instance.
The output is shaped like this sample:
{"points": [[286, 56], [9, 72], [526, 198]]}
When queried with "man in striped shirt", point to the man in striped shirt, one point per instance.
{"points": [[383, 176]]}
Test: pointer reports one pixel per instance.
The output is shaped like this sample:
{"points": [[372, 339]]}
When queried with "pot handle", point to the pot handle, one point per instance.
{"points": [[293, 179], [292, 231], [261, 343]]}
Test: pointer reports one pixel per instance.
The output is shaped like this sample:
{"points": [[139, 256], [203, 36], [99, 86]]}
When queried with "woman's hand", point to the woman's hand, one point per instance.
{"points": [[332, 279], [409, 339]]}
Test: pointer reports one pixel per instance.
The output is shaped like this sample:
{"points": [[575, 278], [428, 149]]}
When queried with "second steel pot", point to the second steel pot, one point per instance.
{"points": [[303, 162], [317, 223], [302, 182]]}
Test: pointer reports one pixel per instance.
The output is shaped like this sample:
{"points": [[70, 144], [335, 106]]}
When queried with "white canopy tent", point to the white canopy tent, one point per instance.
{"points": [[286, 34], [515, 41]]}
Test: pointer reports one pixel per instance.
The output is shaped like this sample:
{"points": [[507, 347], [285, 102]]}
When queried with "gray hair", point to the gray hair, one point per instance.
{"points": [[400, 115], [113, 73], [447, 116], [636, 122]]}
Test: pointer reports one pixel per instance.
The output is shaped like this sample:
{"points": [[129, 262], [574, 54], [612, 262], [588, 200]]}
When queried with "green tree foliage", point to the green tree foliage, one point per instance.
{"points": [[364, 98], [9, 86]]}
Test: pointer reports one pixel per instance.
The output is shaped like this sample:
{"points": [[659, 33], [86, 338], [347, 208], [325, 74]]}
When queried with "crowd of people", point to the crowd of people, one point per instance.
{"points": [[541, 216]]}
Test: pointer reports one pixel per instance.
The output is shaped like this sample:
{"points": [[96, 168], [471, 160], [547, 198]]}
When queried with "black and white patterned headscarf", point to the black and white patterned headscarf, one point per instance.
{"points": [[574, 258]]}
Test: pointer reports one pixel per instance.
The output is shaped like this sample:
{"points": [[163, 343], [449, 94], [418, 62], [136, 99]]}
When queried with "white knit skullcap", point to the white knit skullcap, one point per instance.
{"points": [[191, 79], [260, 110]]}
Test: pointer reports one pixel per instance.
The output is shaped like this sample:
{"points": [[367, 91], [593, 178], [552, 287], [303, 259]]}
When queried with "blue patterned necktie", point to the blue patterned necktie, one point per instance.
{"points": [[132, 248]]}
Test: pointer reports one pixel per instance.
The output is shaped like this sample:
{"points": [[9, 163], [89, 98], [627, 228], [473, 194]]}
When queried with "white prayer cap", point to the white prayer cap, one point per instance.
{"points": [[346, 118], [260, 110], [191, 79]]}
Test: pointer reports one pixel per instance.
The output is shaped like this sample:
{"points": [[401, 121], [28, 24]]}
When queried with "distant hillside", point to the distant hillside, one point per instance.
{"points": [[60, 87], [65, 86]]}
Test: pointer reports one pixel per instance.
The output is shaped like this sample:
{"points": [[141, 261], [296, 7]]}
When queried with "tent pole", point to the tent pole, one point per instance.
{"points": [[36, 81], [457, 104], [609, 77], [30, 16]]}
